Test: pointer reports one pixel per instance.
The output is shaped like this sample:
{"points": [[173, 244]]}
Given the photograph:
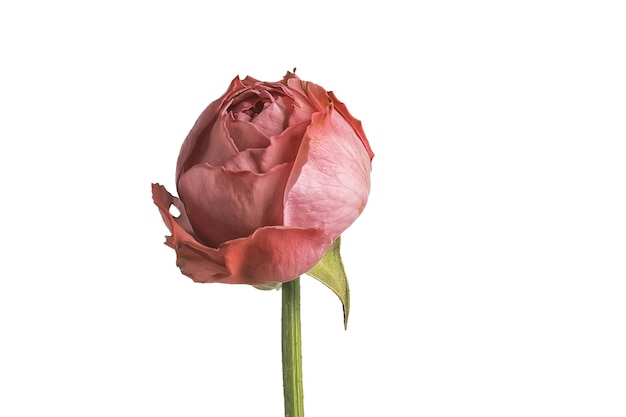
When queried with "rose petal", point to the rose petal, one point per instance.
{"points": [[330, 181], [216, 148], [248, 160], [196, 148], [315, 95], [282, 149], [245, 134], [275, 254], [244, 104], [250, 81], [271, 254], [304, 105], [223, 205], [200, 263], [274, 117], [355, 123]]}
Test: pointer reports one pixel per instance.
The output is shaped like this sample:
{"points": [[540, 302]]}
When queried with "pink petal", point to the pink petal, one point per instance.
{"points": [[223, 205], [315, 95], [355, 123], [330, 181], [275, 254], [303, 108]]}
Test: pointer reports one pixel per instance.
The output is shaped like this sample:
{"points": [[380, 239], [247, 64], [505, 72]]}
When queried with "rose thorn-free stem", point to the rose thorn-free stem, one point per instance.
{"points": [[292, 349]]}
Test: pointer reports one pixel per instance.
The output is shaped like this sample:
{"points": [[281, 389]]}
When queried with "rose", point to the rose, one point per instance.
{"points": [[268, 177]]}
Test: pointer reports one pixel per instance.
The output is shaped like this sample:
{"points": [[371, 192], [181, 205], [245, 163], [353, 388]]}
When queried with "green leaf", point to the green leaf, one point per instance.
{"points": [[329, 271]]}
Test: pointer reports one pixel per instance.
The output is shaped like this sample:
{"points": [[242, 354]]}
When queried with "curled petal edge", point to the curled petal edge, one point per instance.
{"points": [[354, 122], [195, 260]]}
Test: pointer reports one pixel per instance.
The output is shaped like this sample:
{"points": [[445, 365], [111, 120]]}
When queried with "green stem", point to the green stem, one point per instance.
{"points": [[292, 350]]}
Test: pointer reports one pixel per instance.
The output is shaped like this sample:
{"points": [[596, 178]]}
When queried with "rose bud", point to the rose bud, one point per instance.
{"points": [[268, 177]]}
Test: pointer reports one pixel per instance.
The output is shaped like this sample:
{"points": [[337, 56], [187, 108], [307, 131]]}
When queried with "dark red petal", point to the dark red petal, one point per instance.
{"points": [[275, 254]]}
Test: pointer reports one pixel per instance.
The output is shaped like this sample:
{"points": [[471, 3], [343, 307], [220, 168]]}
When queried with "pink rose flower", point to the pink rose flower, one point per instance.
{"points": [[269, 176]]}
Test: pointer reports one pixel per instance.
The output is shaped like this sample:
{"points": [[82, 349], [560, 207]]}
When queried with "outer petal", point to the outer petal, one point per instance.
{"points": [[200, 263], [195, 147], [275, 254], [271, 254], [223, 205], [321, 99], [330, 181]]}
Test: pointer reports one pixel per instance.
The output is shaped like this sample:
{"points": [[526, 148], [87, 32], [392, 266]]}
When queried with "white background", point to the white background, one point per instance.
{"points": [[487, 271]]}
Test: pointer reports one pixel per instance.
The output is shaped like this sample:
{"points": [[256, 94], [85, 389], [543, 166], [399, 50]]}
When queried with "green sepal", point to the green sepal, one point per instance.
{"points": [[269, 286], [330, 272]]}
